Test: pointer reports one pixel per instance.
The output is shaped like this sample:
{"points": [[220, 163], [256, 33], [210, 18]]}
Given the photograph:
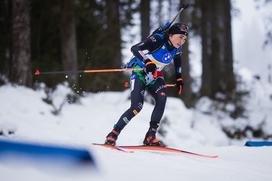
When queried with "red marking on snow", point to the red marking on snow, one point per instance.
{"points": [[126, 84], [37, 72]]}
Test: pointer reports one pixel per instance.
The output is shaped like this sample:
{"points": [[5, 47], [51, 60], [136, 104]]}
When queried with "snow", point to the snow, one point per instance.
{"points": [[25, 116], [87, 121], [248, 30], [94, 112], [175, 167]]}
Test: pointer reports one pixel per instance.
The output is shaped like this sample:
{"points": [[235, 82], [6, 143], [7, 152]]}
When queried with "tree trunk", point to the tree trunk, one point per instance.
{"points": [[68, 38], [159, 12], [222, 59], [145, 18], [113, 31], [216, 46], [217, 56], [112, 43], [228, 58], [187, 92], [21, 51], [206, 48], [5, 40]]}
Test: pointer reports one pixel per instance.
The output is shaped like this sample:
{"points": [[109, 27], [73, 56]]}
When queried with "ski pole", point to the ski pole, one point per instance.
{"points": [[37, 72], [183, 7], [168, 25]]}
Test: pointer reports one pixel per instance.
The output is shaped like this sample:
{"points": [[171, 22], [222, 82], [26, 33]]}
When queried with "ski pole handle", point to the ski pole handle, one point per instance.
{"points": [[170, 85]]}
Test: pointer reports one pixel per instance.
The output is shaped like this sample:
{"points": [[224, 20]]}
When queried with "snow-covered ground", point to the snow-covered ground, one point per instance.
{"points": [[235, 163], [25, 116], [24, 112]]}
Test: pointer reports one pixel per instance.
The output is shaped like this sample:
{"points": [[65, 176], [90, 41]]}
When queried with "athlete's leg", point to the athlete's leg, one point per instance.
{"points": [[158, 91], [137, 99]]}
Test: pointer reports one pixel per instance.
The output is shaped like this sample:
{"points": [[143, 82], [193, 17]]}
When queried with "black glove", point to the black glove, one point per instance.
{"points": [[151, 67], [179, 84]]}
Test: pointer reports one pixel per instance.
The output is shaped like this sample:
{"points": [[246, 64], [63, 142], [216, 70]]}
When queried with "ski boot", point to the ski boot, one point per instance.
{"points": [[111, 138], [151, 140]]}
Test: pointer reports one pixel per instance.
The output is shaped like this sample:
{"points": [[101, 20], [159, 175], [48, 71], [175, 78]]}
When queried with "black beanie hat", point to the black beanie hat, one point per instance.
{"points": [[179, 28]]}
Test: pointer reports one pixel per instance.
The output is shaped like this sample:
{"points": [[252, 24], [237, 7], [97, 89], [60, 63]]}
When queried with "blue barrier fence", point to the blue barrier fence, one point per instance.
{"points": [[54, 154], [258, 143]]}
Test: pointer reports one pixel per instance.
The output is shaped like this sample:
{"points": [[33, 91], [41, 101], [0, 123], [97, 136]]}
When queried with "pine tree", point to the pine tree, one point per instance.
{"points": [[187, 96], [217, 56], [21, 51], [145, 18], [5, 40], [68, 37]]}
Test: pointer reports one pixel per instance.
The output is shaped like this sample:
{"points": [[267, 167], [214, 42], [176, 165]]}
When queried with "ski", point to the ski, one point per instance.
{"points": [[129, 149], [166, 149], [117, 148]]}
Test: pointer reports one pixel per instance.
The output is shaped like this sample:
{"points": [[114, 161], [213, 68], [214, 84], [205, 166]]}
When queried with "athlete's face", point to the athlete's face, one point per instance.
{"points": [[177, 40]]}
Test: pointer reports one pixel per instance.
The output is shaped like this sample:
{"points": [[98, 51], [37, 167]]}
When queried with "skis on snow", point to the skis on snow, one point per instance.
{"points": [[131, 149]]}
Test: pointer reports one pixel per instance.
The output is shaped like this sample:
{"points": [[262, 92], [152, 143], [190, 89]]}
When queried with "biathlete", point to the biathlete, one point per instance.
{"points": [[152, 54]]}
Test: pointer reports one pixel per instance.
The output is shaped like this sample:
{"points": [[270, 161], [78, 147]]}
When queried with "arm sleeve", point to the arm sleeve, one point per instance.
{"points": [[149, 44]]}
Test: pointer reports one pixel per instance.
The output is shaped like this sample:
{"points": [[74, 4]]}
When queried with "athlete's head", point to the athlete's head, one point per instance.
{"points": [[178, 34]]}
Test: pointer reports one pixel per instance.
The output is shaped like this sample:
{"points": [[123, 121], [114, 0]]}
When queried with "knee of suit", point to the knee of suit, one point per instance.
{"points": [[136, 108]]}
